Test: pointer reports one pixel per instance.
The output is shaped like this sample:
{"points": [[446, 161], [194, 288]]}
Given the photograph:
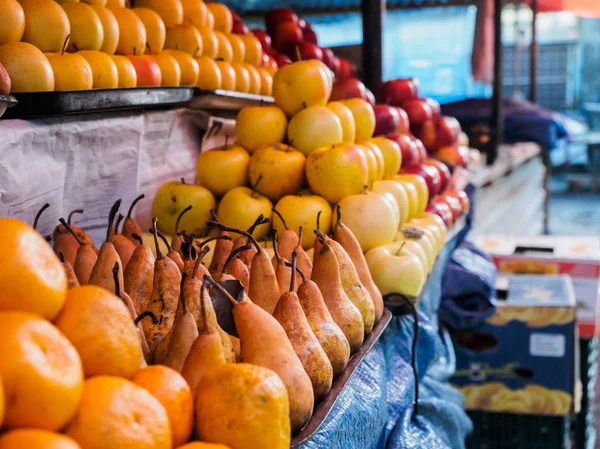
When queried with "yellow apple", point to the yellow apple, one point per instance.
{"points": [[132, 33], [169, 69], [12, 22], [314, 127], [254, 79], [412, 194], [364, 117], [222, 16], [346, 119], [174, 196], [425, 246], [46, 24], [126, 70], [184, 38], [436, 236], [231, 160], [337, 171], [301, 85], [171, 11], [392, 155], [156, 32], [210, 75], [378, 156], [395, 189], [422, 190], [71, 71], [371, 218], [87, 32], [227, 75], [302, 210], [241, 206], [254, 51], [277, 170], [242, 77], [266, 82], [190, 70], [110, 26], [371, 164], [195, 11], [433, 220], [224, 49], [257, 126], [396, 270], [210, 43], [27, 67], [104, 71]]}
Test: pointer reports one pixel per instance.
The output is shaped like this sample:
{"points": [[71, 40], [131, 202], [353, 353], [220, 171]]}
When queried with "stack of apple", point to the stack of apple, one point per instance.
{"points": [[49, 45]]}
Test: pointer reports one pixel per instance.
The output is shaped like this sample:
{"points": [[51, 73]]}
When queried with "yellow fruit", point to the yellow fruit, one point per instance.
{"points": [[391, 153], [12, 21], [117, 414], [413, 197], [224, 50], [422, 190], [184, 38], [257, 126], [210, 75], [228, 81], [71, 71], [302, 210], [195, 11], [46, 24], [41, 372], [171, 11], [222, 17], [346, 119], [132, 33], [378, 156], [254, 79], [119, 3], [277, 170], [169, 69], [2, 406], [300, 85], [190, 69], [156, 32], [371, 162], [242, 77], [314, 127], [110, 27], [87, 32], [397, 190], [27, 67], [210, 43], [364, 118], [101, 3], [36, 438], [240, 207], [230, 159], [104, 71], [127, 75], [266, 82], [238, 47], [254, 51]]}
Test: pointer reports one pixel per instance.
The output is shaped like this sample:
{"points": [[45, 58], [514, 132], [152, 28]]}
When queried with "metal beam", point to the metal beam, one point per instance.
{"points": [[533, 54], [373, 18], [497, 125]]}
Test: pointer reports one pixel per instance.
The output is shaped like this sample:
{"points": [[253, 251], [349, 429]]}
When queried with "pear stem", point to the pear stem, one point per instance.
{"points": [[319, 219], [159, 254], [111, 219], [299, 270], [61, 257], [276, 212], [38, 215], [300, 232], [146, 314], [260, 177], [277, 255], [293, 276], [234, 253], [212, 239], [164, 239], [76, 211], [139, 198], [222, 289], [260, 220], [322, 237], [115, 272], [218, 225], [138, 238], [119, 220], [184, 307], [68, 228], [400, 249], [205, 250], [65, 43], [183, 212], [196, 266], [203, 293]]}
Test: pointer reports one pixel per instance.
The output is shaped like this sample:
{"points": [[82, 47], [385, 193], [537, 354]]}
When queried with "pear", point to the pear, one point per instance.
{"points": [[107, 257], [130, 226], [85, 258]]}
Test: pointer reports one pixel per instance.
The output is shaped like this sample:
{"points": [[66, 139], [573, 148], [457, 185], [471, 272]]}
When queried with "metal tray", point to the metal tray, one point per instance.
{"points": [[226, 100], [6, 101], [322, 410], [45, 104]]}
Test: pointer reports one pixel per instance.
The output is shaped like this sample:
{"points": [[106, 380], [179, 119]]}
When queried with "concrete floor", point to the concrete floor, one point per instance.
{"points": [[575, 214]]}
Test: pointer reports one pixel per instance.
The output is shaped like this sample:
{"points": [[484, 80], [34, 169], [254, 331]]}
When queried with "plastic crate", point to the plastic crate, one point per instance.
{"points": [[509, 431], [585, 422]]}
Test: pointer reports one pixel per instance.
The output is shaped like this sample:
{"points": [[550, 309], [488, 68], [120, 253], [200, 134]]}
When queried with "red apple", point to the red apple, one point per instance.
{"points": [[346, 70], [443, 171], [370, 97], [348, 88], [410, 153], [460, 196], [421, 150], [239, 27], [234, 15], [448, 131], [286, 35], [443, 211], [387, 119], [418, 111], [453, 156], [147, 71], [304, 51], [396, 92], [279, 15], [310, 35], [428, 173], [452, 202], [263, 38], [280, 59], [404, 124], [435, 106], [329, 59], [427, 133]]}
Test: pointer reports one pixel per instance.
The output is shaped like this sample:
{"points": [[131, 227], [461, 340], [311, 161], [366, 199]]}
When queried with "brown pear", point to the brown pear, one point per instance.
{"points": [[326, 274], [171, 254], [265, 343], [130, 226], [304, 262], [176, 240], [139, 275], [138, 323], [247, 256], [72, 281], [283, 272], [107, 257], [86, 257], [287, 239], [235, 268], [290, 315], [122, 244], [63, 241]]}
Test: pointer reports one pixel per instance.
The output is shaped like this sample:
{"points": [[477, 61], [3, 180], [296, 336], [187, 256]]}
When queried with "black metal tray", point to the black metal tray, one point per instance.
{"points": [[7, 101]]}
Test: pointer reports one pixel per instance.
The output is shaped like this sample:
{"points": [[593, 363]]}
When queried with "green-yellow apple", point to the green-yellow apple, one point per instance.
{"points": [[434, 219], [425, 242], [28, 68], [132, 33], [394, 204], [421, 187], [364, 117], [277, 170], [104, 70], [127, 74], [190, 69], [431, 230], [185, 37], [392, 155], [173, 197], [46, 24], [302, 210], [169, 69], [301, 85], [415, 248], [314, 127], [110, 27], [71, 71], [396, 270], [13, 22], [257, 126], [232, 160], [371, 218], [338, 171], [87, 32], [171, 11], [346, 119], [398, 191], [156, 32], [241, 206], [147, 71]]}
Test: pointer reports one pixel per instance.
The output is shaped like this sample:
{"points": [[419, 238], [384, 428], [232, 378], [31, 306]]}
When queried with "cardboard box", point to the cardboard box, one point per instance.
{"points": [[524, 358], [578, 257]]}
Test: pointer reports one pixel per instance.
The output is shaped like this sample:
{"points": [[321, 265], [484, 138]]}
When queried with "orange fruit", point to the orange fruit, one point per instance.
{"points": [[40, 370], [36, 439], [32, 278], [223, 19], [117, 414], [255, 79], [266, 81], [238, 47], [242, 77], [228, 81], [243, 406], [173, 392], [210, 74], [1, 402], [224, 50], [200, 445], [100, 327], [210, 43]]}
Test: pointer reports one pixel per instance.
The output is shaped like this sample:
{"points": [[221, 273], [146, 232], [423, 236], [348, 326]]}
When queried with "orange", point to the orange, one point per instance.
{"points": [[200, 445], [100, 327], [173, 392], [210, 43], [40, 370], [223, 19], [266, 81], [32, 278], [117, 414], [224, 50], [255, 79], [1, 402], [228, 81], [36, 439], [242, 77], [238, 47], [210, 74], [243, 406], [254, 50]]}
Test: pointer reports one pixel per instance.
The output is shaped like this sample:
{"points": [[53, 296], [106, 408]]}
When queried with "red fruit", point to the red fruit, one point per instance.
{"points": [[239, 27], [280, 59], [396, 92], [443, 171], [5, 82], [435, 107], [348, 88], [329, 59], [404, 124], [452, 202], [418, 111], [387, 119], [427, 133], [304, 51], [279, 15], [461, 196], [235, 15], [370, 97], [346, 70], [428, 173], [443, 211], [263, 38], [310, 35], [447, 131], [286, 35], [453, 156], [410, 153], [421, 150]]}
